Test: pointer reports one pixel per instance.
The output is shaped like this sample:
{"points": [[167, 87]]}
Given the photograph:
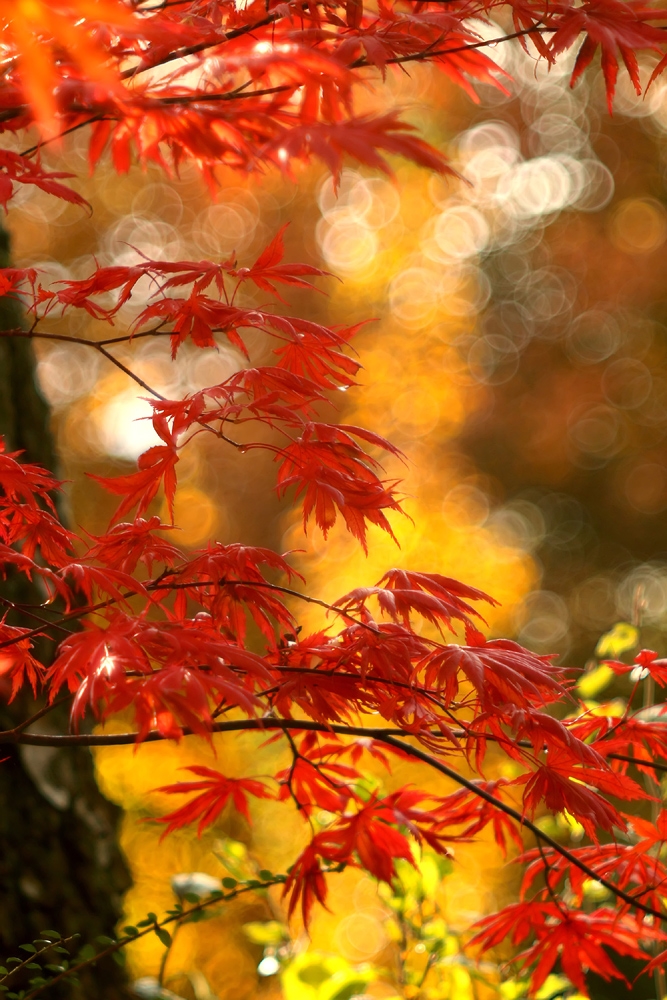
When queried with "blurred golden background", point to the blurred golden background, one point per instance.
{"points": [[517, 356]]}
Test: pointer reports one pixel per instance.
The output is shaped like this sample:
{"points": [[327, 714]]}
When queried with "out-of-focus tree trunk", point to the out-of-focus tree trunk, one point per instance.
{"points": [[60, 864]]}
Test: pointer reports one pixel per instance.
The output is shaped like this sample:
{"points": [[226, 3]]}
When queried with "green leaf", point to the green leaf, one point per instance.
{"points": [[325, 977], [3, 971], [14, 960], [130, 930], [28, 947], [86, 953], [349, 990], [51, 934], [229, 883], [553, 986], [33, 965], [118, 957], [266, 932], [164, 936], [191, 897], [104, 939], [314, 974], [265, 875]]}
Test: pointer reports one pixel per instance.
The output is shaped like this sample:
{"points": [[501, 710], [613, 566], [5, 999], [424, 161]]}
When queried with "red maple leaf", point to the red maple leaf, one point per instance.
{"points": [[616, 27], [21, 170], [216, 790], [438, 599], [268, 269], [560, 786], [317, 785], [127, 544], [579, 941], [334, 474], [40, 28], [464, 808], [306, 881], [157, 467], [227, 581], [16, 660], [649, 663], [500, 670]]}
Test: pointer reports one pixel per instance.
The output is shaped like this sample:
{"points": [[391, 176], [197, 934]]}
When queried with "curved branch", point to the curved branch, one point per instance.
{"points": [[391, 737], [528, 824], [34, 334], [240, 92], [177, 918], [14, 736], [192, 50]]}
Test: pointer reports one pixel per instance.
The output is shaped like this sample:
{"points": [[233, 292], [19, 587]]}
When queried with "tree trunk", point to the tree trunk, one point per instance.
{"points": [[60, 864]]}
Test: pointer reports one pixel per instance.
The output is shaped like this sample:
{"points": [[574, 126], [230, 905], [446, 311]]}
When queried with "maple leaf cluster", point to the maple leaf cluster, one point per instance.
{"points": [[205, 641], [164, 636], [271, 83]]}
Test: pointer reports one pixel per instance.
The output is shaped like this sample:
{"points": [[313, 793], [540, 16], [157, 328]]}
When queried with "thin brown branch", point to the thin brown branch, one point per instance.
{"points": [[33, 334], [13, 736], [240, 92], [21, 609], [157, 331], [158, 924], [41, 713], [11, 974], [427, 54], [523, 821], [128, 371], [191, 50], [31, 150]]}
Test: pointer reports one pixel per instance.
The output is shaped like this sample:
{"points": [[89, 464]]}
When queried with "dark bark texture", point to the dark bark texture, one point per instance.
{"points": [[60, 864]]}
